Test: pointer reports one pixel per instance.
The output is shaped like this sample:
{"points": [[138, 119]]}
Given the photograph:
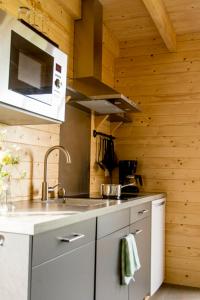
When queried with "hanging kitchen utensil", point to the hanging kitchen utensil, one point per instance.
{"points": [[96, 164], [107, 159], [106, 144], [101, 154], [110, 160]]}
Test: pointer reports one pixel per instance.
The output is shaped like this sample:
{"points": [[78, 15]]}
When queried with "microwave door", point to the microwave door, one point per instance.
{"points": [[31, 70], [33, 75]]}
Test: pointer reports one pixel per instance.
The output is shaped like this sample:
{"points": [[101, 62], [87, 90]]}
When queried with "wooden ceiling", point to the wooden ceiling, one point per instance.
{"points": [[130, 20]]}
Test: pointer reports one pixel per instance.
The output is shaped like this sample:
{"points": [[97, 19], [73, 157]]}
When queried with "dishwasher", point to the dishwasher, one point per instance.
{"points": [[157, 244]]}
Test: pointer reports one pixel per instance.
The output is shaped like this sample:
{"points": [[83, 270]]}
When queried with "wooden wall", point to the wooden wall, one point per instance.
{"points": [[165, 138], [35, 140]]}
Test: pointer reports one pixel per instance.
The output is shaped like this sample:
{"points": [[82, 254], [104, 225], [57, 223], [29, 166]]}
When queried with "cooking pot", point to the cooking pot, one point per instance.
{"points": [[112, 190]]}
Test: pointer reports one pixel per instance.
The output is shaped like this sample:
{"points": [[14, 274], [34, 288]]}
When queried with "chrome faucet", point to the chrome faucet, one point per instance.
{"points": [[45, 187]]}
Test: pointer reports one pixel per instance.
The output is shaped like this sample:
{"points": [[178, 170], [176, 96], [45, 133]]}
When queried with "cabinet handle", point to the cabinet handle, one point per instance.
{"points": [[72, 238], [142, 212], [2, 240], [138, 231]]}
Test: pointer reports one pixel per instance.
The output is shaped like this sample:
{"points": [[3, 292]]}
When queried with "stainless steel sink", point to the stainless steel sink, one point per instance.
{"points": [[85, 202], [57, 206], [74, 202]]}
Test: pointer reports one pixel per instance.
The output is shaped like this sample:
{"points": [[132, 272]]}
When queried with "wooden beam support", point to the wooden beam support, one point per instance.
{"points": [[73, 7], [157, 10], [114, 126], [99, 120]]}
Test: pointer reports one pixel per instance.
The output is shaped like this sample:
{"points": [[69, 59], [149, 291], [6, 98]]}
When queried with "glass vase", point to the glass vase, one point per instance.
{"points": [[5, 205], [3, 202]]}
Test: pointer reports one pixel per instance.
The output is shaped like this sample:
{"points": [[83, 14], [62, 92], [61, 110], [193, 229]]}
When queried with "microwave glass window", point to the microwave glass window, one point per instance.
{"points": [[31, 70]]}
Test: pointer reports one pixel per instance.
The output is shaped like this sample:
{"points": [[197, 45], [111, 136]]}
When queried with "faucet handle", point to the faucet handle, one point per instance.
{"points": [[52, 188], [61, 191]]}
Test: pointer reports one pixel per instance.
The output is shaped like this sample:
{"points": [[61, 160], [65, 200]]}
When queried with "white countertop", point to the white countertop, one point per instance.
{"points": [[31, 222]]}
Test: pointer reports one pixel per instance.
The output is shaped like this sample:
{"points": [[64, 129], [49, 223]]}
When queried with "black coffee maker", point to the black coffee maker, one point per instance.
{"points": [[127, 175]]}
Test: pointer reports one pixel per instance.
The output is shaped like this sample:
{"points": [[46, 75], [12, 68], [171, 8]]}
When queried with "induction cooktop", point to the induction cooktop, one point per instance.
{"points": [[124, 196]]}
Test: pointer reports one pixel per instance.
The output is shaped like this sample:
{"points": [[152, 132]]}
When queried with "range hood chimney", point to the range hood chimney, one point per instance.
{"points": [[88, 45]]}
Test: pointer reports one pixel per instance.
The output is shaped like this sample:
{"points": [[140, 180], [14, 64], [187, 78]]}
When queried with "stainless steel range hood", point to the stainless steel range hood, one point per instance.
{"points": [[88, 44]]}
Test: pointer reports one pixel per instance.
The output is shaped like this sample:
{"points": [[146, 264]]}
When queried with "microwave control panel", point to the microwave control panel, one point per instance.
{"points": [[58, 78]]}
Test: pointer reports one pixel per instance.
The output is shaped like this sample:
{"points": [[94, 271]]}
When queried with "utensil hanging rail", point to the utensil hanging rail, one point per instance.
{"points": [[95, 133]]}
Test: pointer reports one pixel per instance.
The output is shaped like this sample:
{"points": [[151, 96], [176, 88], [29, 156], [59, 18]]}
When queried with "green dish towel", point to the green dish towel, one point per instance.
{"points": [[130, 262]]}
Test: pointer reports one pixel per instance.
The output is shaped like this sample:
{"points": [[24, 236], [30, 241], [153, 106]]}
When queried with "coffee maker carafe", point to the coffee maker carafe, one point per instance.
{"points": [[127, 175]]}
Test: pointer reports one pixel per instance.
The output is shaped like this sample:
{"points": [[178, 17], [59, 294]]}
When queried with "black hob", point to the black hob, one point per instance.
{"points": [[124, 196]]}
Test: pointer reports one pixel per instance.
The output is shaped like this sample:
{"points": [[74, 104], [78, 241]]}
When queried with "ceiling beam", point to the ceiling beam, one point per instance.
{"points": [[157, 10]]}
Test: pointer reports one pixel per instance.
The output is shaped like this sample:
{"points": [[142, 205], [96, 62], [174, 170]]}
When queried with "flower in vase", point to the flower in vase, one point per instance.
{"points": [[8, 158]]}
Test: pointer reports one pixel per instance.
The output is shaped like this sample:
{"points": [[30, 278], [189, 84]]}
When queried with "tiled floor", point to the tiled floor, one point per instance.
{"points": [[170, 292]]}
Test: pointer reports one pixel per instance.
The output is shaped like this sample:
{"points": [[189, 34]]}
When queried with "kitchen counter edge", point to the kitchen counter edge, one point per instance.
{"points": [[33, 226]]}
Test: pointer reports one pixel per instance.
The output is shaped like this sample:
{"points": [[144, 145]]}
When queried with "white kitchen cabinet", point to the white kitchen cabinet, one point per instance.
{"points": [[157, 244], [15, 265]]}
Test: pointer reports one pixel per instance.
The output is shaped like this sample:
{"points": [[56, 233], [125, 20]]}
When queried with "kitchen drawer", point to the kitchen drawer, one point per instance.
{"points": [[112, 222], [53, 243], [139, 212]]}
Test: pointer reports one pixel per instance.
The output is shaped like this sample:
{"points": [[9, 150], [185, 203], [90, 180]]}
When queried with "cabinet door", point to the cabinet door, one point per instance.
{"points": [[69, 276], [141, 287], [15, 266], [108, 267]]}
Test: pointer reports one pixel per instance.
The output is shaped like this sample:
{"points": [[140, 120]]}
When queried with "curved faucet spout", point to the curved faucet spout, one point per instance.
{"points": [[45, 184]]}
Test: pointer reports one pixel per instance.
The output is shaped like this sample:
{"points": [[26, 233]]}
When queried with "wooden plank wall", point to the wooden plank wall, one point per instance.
{"points": [[165, 138], [35, 140]]}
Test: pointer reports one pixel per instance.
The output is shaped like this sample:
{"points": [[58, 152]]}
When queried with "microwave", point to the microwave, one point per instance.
{"points": [[33, 74]]}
